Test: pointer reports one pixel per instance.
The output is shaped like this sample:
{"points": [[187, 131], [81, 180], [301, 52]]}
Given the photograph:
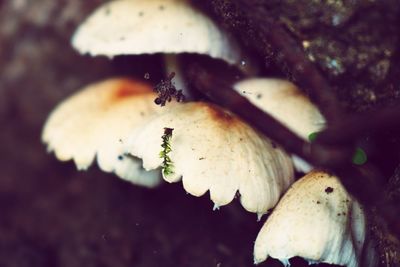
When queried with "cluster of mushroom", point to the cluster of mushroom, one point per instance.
{"points": [[116, 123]]}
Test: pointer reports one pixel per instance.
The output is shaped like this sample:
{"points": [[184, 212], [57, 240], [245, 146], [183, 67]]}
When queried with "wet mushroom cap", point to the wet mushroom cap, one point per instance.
{"points": [[317, 220], [94, 121], [132, 27], [285, 102], [213, 150]]}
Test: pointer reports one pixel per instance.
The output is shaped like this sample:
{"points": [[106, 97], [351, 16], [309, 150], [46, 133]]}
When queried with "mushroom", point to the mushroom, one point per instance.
{"points": [[134, 27], [94, 121], [211, 149], [317, 220], [286, 103]]}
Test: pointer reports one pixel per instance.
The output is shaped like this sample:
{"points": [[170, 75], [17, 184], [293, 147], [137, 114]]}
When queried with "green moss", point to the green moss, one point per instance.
{"points": [[167, 165], [313, 136], [359, 157]]}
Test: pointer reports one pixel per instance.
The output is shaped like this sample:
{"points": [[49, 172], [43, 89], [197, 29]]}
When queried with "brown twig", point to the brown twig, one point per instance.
{"points": [[318, 154], [364, 182]]}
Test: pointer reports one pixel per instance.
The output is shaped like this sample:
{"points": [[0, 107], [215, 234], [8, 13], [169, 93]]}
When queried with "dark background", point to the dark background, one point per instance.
{"points": [[53, 215]]}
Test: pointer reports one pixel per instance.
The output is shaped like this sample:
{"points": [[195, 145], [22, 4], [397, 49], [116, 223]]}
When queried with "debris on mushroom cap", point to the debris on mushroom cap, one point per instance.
{"points": [[318, 220], [285, 102], [126, 27], [94, 121], [211, 149]]}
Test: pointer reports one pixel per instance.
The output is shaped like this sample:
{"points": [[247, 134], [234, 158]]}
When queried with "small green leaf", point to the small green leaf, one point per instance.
{"points": [[313, 136], [359, 157]]}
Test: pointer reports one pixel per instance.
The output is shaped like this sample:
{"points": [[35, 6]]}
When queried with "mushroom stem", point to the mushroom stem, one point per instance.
{"points": [[300, 164], [172, 65]]}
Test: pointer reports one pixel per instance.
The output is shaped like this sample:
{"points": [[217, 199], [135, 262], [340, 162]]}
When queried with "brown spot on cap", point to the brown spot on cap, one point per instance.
{"points": [[129, 88], [218, 114], [118, 90]]}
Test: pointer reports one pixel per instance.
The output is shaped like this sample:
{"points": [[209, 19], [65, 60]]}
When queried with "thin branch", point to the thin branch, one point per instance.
{"points": [[319, 154], [364, 182]]}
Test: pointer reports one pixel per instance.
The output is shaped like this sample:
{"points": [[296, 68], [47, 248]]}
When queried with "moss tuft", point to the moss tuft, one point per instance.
{"points": [[167, 165]]}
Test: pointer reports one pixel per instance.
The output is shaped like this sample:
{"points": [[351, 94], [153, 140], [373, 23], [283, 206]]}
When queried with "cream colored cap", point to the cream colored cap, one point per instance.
{"points": [[316, 220], [213, 150], [285, 102], [133, 27], [95, 120]]}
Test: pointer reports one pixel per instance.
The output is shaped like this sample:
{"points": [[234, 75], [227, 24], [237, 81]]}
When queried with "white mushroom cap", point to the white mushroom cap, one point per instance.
{"points": [[285, 102], [132, 27], [317, 220], [94, 121], [214, 150]]}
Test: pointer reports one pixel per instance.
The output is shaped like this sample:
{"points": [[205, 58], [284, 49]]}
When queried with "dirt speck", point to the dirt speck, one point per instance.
{"points": [[328, 190]]}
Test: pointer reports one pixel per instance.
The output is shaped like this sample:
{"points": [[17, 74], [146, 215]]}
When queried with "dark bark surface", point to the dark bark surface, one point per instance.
{"points": [[52, 215]]}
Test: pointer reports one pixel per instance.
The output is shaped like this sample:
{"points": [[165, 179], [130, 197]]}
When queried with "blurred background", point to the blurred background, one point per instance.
{"points": [[53, 215]]}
